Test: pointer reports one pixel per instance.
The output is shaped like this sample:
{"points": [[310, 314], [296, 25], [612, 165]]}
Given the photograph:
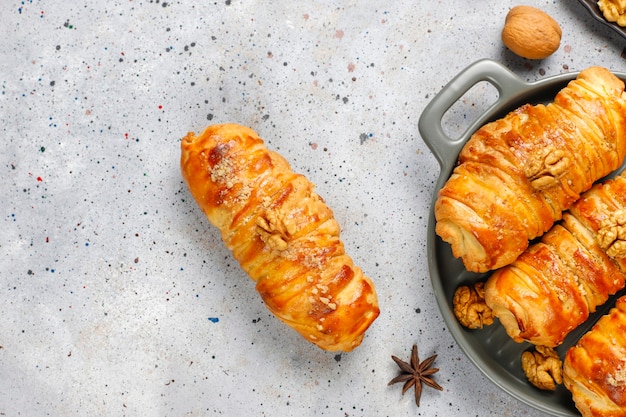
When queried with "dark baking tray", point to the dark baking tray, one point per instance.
{"points": [[592, 7], [490, 349]]}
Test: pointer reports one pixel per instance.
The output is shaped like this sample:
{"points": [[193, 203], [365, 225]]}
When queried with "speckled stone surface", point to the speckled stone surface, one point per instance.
{"points": [[118, 297]]}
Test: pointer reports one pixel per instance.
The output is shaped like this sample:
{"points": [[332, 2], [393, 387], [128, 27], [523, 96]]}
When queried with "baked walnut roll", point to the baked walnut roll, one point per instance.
{"points": [[613, 11], [516, 175], [595, 369], [556, 283], [282, 233]]}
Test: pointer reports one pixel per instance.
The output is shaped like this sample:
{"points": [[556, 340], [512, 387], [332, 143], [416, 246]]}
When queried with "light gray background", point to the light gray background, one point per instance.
{"points": [[118, 297]]}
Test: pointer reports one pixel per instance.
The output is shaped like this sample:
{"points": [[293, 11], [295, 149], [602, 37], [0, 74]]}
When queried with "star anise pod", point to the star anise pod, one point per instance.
{"points": [[414, 374]]}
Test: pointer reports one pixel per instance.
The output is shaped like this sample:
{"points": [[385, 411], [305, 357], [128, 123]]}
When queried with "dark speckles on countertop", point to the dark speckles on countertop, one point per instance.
{"points": [[120, 298]]}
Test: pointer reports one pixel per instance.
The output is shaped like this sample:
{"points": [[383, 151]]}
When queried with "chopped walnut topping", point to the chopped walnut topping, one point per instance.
{"points": [[470, 307], [223, 172], [543, 368], [322, 288], [313, 258], [612, 234], [328, 303], [618, 378], [244, 193], [546, 167]]}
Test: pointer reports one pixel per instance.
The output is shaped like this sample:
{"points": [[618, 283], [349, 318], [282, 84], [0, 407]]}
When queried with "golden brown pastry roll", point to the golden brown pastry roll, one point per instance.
{"points": [[282, 233], [594, 370], [556, 283], [515, 176]]}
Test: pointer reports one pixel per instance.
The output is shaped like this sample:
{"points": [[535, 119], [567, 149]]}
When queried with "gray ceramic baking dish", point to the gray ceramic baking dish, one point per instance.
{"points": [[490, 349]]}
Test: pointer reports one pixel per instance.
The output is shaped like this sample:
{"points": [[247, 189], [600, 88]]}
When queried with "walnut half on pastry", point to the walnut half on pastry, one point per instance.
{"points": [[282, 233]]}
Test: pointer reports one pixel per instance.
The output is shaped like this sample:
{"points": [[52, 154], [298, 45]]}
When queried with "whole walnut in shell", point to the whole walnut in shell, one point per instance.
{"points": [[531, 33]]}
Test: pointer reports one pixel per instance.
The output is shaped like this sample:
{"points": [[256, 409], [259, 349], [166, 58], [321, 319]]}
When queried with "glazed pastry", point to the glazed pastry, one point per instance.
{"points": [[515, 176], [556, 283], [282, 233], [614, 11], [595, 369]]}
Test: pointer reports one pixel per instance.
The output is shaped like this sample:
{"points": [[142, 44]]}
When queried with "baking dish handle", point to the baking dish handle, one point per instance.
{"points": [[430, 126]]}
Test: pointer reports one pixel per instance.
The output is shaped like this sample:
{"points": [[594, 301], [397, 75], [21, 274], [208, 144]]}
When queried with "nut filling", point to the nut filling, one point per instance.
{"points": [[612, 235]]}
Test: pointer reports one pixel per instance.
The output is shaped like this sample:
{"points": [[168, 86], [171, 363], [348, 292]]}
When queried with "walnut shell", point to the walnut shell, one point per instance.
{"points": [[531, 33]]}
